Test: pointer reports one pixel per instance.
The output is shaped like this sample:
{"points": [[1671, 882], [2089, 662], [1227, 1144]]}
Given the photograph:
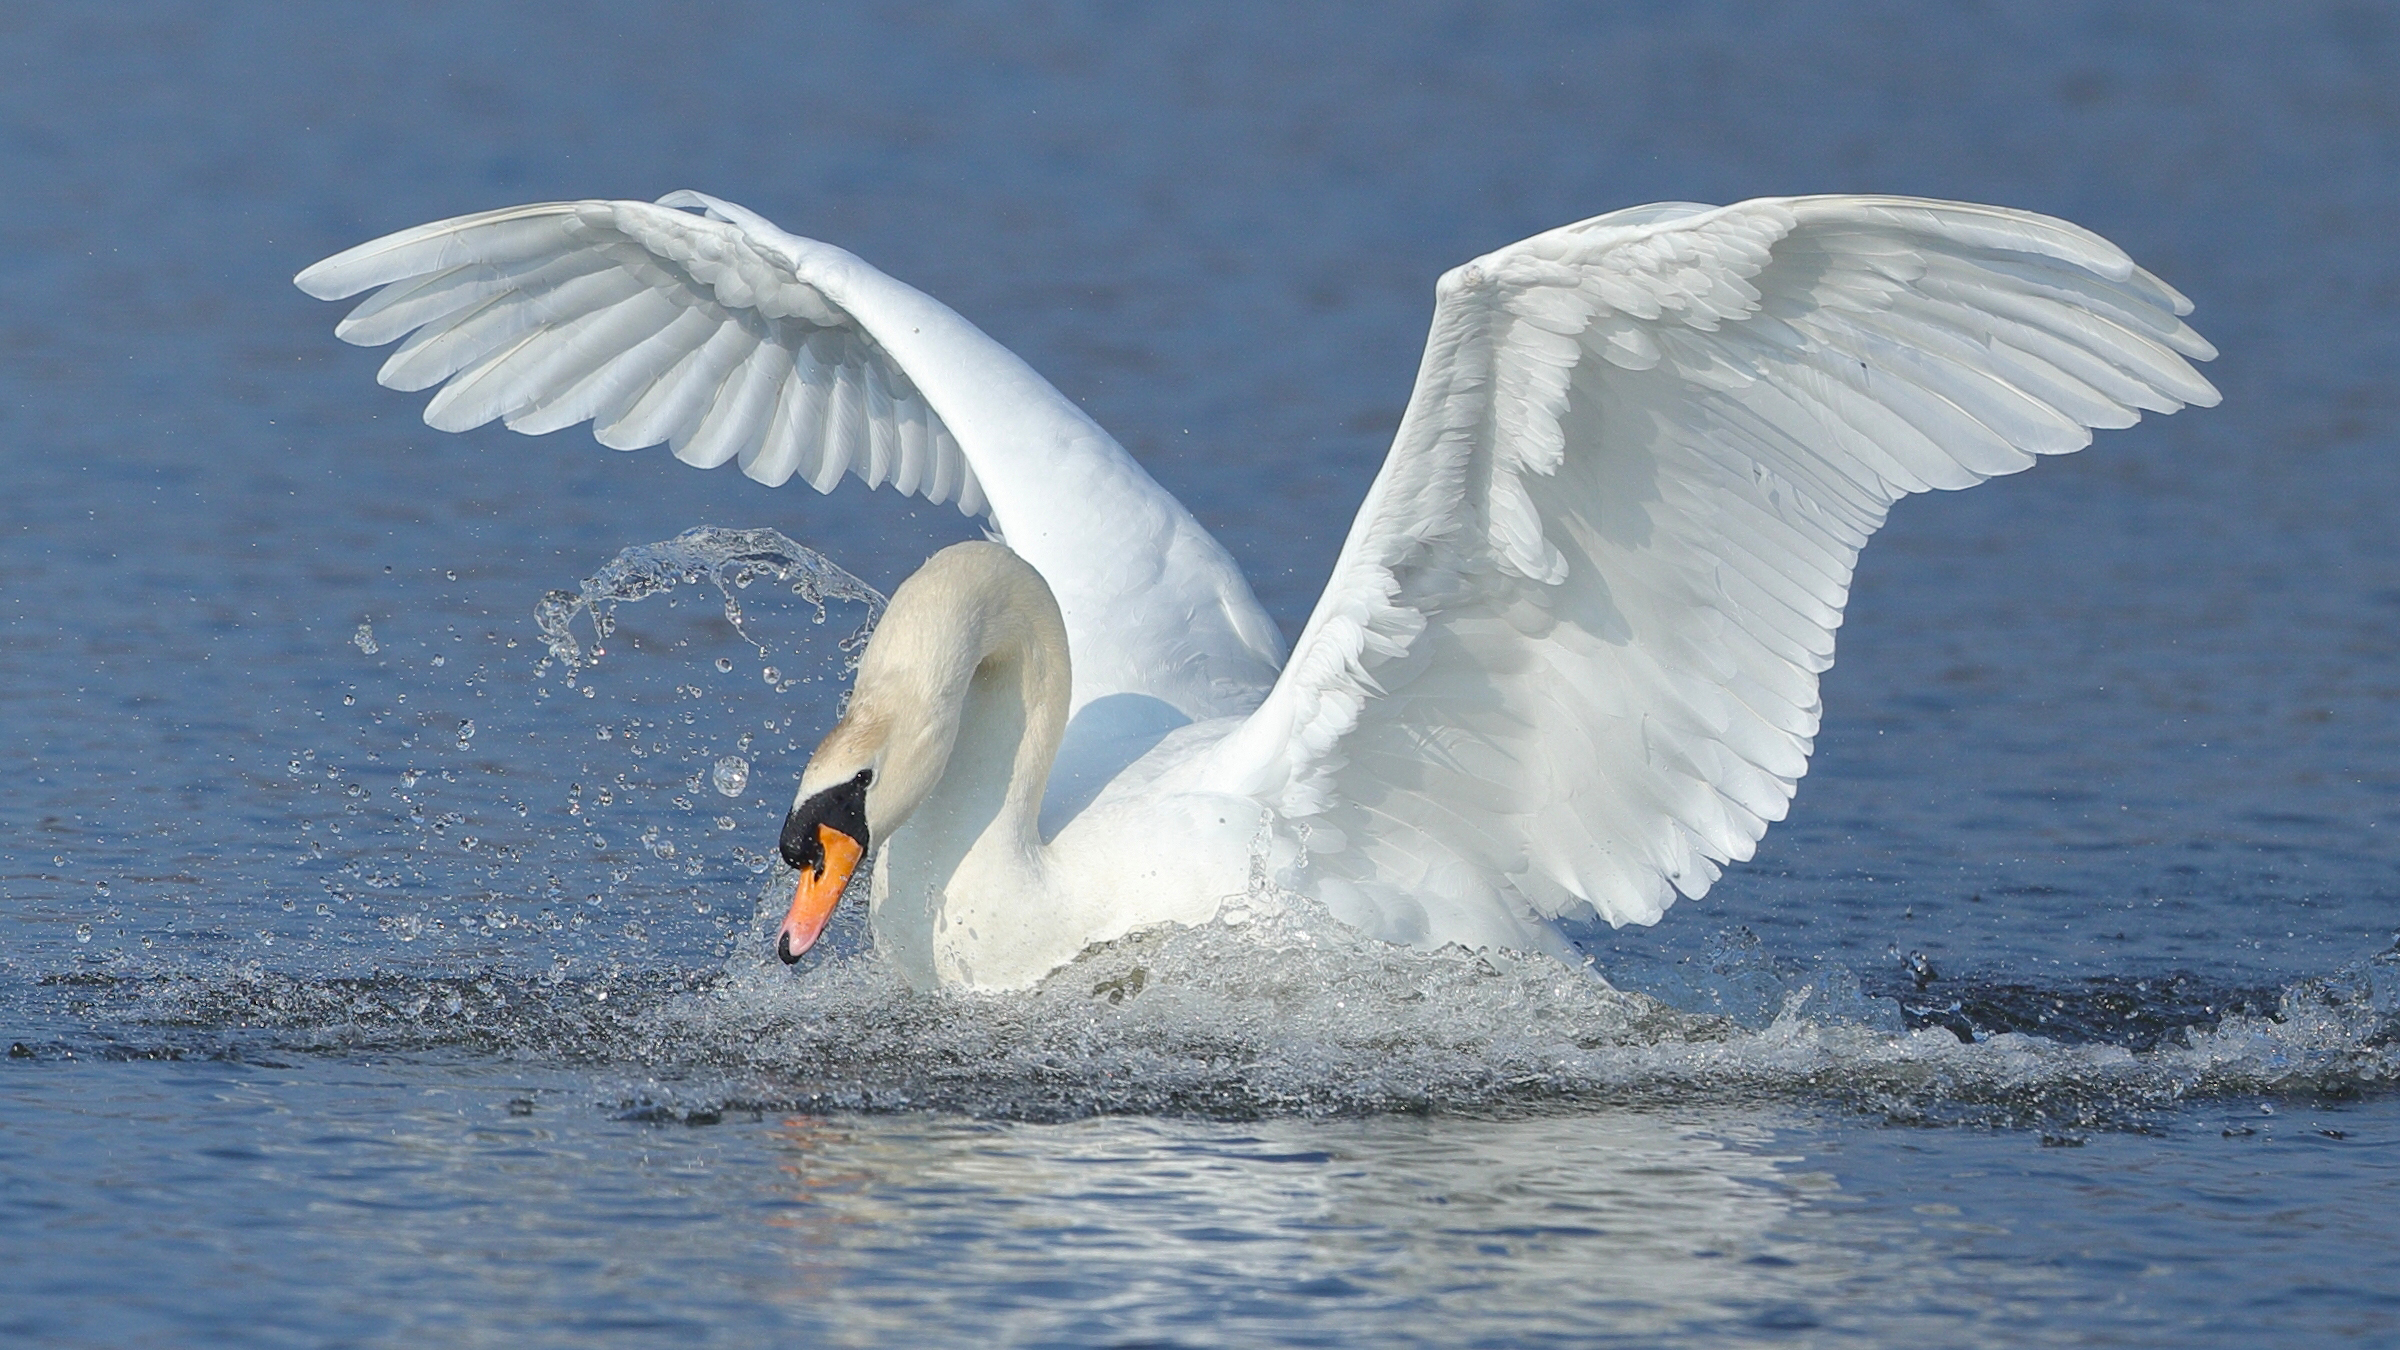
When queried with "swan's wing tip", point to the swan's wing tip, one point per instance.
{"points": [[328, 279], [719, 341]]}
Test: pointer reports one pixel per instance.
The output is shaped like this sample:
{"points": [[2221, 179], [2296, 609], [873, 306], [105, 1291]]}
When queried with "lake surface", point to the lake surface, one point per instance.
{"points": [[367, 980]]}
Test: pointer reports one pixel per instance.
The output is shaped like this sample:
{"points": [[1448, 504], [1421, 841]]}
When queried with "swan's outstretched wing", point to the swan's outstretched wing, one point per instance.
{"points": [[653, 325], [1569, 654], [733, 341]]}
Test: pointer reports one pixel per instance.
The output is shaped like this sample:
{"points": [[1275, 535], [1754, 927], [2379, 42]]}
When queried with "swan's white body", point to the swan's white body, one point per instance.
{"points": [[1567, 662]]}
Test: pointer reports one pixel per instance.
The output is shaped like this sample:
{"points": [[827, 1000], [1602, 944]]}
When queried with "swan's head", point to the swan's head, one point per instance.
{"points": [[868, 774], [823, 839], [842, 810]]}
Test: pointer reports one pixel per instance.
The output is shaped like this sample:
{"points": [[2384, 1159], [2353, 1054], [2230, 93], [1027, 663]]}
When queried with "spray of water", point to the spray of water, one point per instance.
{"points": [[729, 560], [1285, 1012]]}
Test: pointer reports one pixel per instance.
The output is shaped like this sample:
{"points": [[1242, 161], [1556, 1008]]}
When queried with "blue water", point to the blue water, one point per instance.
{"points": [[2053, 1016]]}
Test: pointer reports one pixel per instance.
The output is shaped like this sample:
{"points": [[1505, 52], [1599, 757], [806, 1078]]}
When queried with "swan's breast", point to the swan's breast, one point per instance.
{"points": [[1149, 848]]}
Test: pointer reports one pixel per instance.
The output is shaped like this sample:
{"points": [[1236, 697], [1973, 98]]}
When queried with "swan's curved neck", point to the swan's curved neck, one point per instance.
{"points": [[967, 681]]}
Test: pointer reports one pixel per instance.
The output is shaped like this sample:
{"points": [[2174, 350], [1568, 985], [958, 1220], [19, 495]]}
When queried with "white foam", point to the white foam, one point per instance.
{"points": [[1292, 1012], [1286, 1014]]}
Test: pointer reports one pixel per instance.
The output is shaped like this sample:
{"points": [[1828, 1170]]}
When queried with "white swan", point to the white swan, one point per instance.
{"points": [[1566, 663]]}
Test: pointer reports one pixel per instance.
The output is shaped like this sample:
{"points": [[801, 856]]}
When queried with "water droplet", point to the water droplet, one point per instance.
{"points": [[451, 575], [349, 700], [599, 842], [441, 660], [83, 932], [771, 674], [731, 776], [364, 639], [724, 665], [288, 906], [466, 733], [725, 822], [409, 777]]}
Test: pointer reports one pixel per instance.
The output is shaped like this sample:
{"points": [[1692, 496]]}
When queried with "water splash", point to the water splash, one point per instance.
{"points": [[1288, 1012], [727, 559]]}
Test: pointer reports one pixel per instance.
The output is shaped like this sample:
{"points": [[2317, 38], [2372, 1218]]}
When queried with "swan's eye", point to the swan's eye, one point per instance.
{"points": [[842, 807]]}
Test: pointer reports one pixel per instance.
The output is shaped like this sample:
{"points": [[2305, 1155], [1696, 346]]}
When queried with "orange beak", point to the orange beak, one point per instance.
{"points": [[819, 891]]}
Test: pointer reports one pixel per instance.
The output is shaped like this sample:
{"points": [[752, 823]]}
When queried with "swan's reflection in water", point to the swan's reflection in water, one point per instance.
{"points": [[1603, 1228]]}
